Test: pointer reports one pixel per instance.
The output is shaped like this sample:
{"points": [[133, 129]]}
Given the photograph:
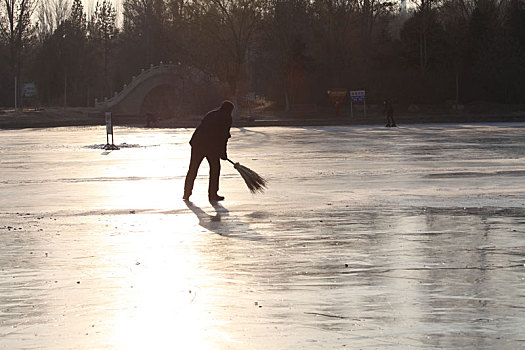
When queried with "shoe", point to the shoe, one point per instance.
{"points": [[215, 198]]}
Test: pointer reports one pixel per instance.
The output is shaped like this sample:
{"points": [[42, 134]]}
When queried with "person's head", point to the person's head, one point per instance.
{"points": [[227, 106]]}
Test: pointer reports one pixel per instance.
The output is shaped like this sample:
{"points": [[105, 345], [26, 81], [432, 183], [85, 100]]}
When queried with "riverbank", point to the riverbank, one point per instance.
{"points": [[59, 117]]}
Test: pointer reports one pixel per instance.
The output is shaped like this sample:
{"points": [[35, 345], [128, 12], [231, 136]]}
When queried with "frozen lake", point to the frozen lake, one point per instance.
{"points": [[367, 238]]}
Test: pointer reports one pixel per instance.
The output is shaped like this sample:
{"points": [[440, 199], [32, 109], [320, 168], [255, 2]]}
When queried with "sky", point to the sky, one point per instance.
{"points": [[89, 8], [89, 5]]}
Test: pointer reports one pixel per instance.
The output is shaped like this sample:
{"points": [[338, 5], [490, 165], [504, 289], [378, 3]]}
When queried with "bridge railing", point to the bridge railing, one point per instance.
{"points": [[135, 81]]}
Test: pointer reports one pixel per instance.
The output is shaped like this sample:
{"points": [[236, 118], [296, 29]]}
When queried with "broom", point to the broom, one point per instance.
{"points": [[254, 181]]}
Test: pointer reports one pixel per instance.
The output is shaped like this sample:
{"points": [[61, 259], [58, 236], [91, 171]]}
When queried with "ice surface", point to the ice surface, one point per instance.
{"points": [[366, 238]]}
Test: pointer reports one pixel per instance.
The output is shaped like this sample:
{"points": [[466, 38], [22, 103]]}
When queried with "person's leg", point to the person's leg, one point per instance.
{"points": [[195, 162], [215, 171], [392, 121]]}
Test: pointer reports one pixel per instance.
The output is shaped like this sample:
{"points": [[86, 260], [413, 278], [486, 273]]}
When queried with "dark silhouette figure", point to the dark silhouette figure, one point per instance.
{"points": [[209, 141], [389, 114]]}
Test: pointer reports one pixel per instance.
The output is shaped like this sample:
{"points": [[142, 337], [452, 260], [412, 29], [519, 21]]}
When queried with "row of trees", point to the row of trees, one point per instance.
{"points": [[54, 44], [291, 51]]}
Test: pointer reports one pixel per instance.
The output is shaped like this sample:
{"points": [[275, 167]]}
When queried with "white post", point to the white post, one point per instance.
{"points": [[109, 130]]}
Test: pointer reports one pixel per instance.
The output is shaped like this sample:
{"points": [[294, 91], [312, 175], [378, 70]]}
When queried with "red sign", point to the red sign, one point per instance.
{"points": [[337, 94]]}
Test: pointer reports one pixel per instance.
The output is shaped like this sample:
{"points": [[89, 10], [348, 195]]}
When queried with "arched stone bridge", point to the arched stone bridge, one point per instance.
{"points": [[166, 90]]}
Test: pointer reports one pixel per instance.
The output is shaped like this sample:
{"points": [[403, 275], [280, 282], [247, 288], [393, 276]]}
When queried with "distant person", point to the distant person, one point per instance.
{"points": [[389, 114], [209, 141]]}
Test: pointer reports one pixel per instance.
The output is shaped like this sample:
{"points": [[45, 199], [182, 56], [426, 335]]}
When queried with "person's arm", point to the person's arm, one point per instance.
{"points": [[227, 135]]}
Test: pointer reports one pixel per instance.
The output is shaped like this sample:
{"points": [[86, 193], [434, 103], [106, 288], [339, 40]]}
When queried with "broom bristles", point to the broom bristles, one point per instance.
{"points": [[254, 181]]}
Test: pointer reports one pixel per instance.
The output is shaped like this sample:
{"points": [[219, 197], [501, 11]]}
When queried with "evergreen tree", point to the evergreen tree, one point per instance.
{"points": [[15, 33], [103, 32]]}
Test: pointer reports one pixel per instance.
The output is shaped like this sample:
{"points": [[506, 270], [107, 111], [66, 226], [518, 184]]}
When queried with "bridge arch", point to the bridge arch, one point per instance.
{"points": [[162, 101], [167, 90]]}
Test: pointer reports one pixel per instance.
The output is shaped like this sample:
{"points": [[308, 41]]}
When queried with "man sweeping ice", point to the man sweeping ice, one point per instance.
{"points": [[209, 141]]}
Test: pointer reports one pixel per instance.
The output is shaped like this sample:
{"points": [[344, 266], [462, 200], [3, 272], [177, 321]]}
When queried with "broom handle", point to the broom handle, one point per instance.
{"points": [[231, 161]]}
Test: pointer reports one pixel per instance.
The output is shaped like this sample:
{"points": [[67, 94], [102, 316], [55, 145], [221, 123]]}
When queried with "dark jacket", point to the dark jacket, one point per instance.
{"points": [[212, 135]]}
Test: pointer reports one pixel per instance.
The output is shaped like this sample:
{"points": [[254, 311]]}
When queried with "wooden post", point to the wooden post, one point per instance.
{"points": [[16, 92]]}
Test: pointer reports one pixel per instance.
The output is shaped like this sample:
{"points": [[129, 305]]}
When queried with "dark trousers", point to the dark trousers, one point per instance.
{"points": [[197, 156], [390, 120]]}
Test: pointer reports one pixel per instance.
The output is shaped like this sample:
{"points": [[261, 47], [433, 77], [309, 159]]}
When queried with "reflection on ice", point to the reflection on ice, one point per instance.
{"points": [[366, 238]]}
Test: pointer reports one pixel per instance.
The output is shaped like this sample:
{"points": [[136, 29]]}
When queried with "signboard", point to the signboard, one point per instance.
{"points": [[358, 96], [337, 94], [29, 90]]}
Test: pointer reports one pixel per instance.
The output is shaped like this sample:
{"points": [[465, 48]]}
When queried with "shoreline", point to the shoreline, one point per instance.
{"points": [[59, 117]]}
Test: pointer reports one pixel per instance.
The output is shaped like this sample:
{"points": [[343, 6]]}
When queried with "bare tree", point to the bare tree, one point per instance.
{"points": [[230, 26], [286, 29], [335, 21], [425, 14], [50, 14], [144, 25], [455, 16], [370, 11]]}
